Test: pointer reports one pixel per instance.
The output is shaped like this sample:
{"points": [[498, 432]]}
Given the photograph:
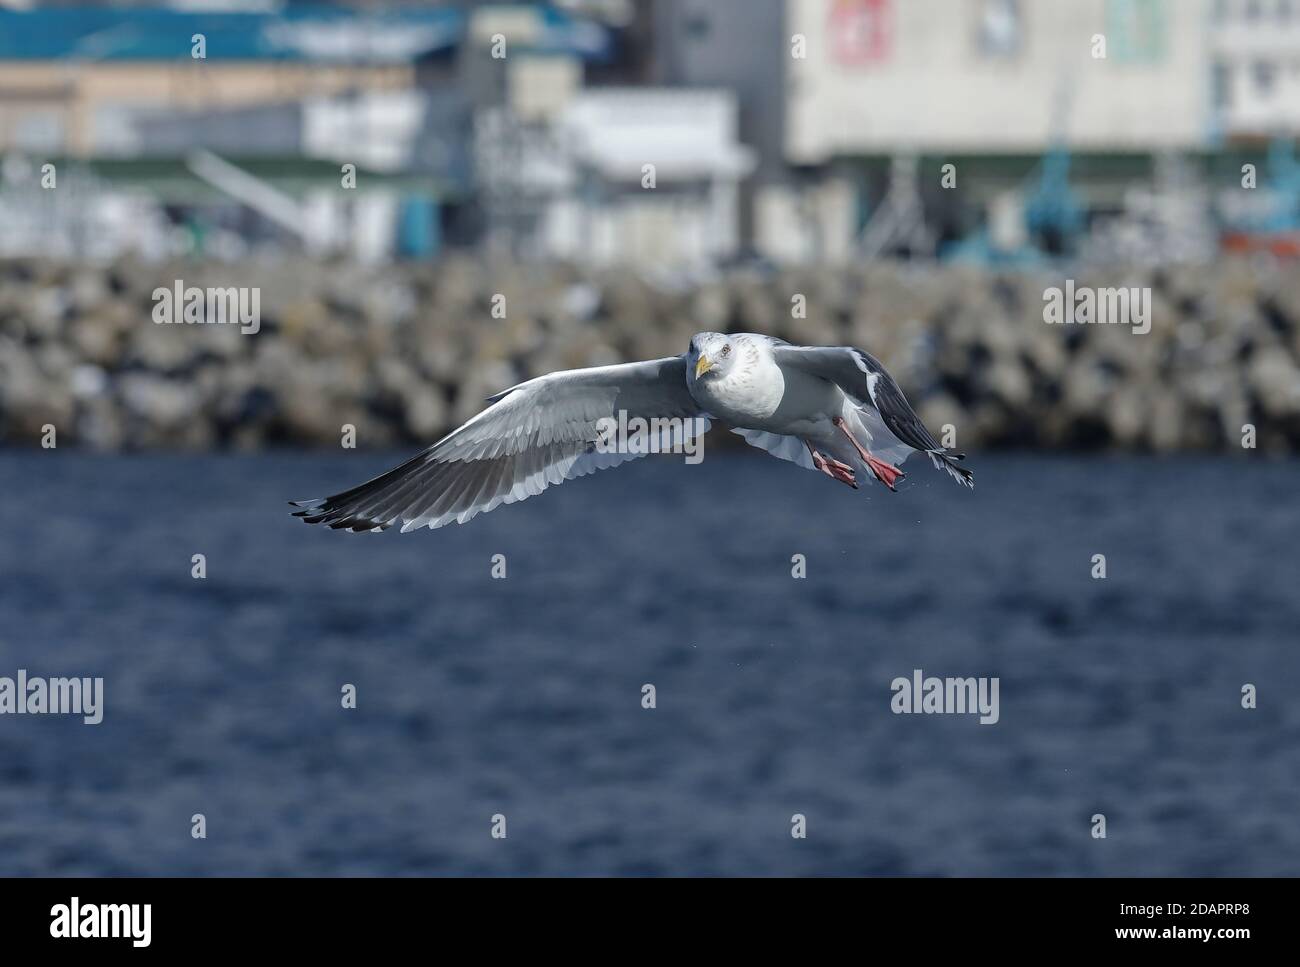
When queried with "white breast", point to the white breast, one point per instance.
{"points": [[747, 395]]}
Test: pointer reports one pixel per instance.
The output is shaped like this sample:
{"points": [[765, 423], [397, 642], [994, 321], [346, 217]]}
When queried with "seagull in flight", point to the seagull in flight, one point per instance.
{"points": [[832, 409]]}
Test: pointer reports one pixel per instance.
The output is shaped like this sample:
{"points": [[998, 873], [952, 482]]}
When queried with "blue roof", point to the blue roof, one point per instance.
{"points": [[562, 33], [329, 34], [312, 33]]}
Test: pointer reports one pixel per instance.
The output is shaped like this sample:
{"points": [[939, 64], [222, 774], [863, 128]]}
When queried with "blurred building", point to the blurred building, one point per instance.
{"points": [[222, 129], [1255, 46], [74, 77], [995, 76], [1082, 127], [789, 130], [654, 177]]}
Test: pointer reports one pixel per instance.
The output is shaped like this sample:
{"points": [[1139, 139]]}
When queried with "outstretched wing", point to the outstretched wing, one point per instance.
{"points": [[541, 432], [862, 376]]}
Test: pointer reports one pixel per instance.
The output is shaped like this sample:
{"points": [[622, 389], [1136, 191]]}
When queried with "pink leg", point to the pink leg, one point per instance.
{"points": [[886, 473], [833, 468]]}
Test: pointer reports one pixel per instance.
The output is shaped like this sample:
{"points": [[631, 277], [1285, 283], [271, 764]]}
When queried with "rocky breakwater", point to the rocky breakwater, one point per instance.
{"points": [[404, 352]]}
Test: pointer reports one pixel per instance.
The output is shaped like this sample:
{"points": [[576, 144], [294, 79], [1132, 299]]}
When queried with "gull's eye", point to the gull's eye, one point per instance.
{"points": [[726, 350]]}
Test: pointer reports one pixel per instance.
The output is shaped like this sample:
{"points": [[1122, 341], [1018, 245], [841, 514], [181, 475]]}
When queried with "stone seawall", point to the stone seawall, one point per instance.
{"points": [[403, 353]]}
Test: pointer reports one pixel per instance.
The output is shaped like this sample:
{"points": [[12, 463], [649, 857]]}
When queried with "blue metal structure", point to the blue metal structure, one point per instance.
{"points": [[1284, 183], [314, 33], [319, 34]]}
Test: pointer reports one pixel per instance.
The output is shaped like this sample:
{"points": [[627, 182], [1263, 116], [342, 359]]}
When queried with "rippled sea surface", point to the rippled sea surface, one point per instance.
{"points": [[522, 696]]}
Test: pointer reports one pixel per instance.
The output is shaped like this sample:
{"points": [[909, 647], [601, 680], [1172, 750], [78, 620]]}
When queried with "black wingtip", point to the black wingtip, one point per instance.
{"points": [[945, 461], [318, 512], [308, 508]]}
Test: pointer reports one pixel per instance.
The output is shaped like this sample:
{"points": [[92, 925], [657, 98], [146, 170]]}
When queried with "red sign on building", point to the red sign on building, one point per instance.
{"points": [[861, 31]]}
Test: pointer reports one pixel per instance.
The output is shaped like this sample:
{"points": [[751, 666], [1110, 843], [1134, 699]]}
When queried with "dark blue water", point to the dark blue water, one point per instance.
{"points": [[523, 696]]}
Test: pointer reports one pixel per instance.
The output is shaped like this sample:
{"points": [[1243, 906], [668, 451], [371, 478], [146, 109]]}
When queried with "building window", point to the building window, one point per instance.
{"points": [[698, 27], [1222, 86], [1139, 29], [1265, 77], [1000, 28]]}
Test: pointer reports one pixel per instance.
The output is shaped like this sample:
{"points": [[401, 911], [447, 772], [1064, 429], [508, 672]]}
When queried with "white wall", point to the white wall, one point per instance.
{"points": [[683, 133], [375, 130], [934, 88]]}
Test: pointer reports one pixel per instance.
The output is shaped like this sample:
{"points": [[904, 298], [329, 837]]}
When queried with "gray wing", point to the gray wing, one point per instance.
{"points": [[864, 378], [536, 434], [783, 447]]}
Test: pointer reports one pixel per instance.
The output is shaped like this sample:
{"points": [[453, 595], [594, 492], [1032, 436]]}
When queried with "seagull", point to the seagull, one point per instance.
{"points": [[831, 409]]}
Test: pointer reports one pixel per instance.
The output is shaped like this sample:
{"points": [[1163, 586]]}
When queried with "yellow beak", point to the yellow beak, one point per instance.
{"points": [[702, 365]]}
